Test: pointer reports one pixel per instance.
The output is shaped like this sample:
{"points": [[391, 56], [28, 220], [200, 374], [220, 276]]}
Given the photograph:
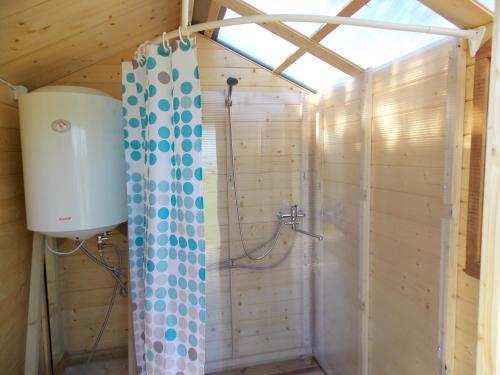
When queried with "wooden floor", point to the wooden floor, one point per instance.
{"points": [[296, 366], [118, 366]]}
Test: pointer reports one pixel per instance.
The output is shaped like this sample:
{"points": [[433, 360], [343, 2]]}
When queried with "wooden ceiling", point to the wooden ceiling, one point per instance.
{"points": [[43, 40]]}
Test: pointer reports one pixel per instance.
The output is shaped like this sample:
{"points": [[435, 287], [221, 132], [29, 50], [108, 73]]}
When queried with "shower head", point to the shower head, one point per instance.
{"points": [[231, 81]]}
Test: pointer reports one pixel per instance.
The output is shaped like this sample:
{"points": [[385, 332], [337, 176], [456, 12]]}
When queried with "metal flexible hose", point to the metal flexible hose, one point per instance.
{"points": [[274, 238]]}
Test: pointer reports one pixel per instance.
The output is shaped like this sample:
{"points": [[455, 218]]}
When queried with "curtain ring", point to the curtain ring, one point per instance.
{"points": [[180, 33], [165, 42]]}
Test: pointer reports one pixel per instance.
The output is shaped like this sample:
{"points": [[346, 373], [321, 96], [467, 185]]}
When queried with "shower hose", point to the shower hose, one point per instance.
{"points": [[268, 245], [115, 272]]}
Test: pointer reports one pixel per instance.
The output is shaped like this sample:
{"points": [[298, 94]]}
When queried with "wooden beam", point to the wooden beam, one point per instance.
{"points": [[466, 14], [488, 344], [295, 37], [34, 328], [319, 35], [214, 12]]}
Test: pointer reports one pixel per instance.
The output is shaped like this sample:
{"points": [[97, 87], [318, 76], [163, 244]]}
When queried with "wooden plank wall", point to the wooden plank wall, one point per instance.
{"points": [[253, 316], [15, 241], [467, 286], [337, 263]]}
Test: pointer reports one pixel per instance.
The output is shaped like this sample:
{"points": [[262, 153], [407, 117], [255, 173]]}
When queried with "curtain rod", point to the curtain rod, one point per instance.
{"points": [[473, 36]]}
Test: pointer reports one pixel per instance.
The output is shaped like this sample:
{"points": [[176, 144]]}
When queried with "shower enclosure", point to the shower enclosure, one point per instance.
{"points": [[370, 163]]}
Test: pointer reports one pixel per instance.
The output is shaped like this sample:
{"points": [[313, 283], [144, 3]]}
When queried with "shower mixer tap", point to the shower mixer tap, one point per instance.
{"points": [[294, 220]]}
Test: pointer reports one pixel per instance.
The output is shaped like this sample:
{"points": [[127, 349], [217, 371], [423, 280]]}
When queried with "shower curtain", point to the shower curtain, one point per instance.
{"points": [[162, 131]]}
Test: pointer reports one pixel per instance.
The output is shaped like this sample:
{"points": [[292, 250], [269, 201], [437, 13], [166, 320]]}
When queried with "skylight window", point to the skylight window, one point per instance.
{"points": [[488, 3], [256, 42], [374, 47], [314, 73], [319, 7]]}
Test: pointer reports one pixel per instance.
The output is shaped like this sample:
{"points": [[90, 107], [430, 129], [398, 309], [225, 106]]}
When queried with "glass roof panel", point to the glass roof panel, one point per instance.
{"points": [[320, 7], [374, 47], [314, 73], [256, 42], [488, 3]]}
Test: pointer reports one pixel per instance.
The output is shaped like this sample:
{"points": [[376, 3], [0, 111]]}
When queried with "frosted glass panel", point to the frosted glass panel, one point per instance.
{"points": [[373, 47], [321, 7], [256, 42], [314, 73]]}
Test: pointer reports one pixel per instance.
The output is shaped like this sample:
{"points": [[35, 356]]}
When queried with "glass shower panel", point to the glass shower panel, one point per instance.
{"points": [[337, 267], [254, 315]]}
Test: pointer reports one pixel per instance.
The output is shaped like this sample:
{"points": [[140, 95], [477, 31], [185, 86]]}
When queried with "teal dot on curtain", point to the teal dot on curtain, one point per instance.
{"points": [[164, 132], [162, 253], [137, 198], [132, 100], [197, 101], [152, 159], [186, 88], [171, 320], [193, 341], [130, 78], [192, 326], [152, 118], [197, 145], [175, 74], [192, 258], [198, 173], [148, 305], [182, 283], [192, 244], [197, 130], [193, 300], [182, 242], [176, 103], [150, 63], [200, 218], [186, 116], [201, 273], [196, 72], [173, 240], [135, 155], [150, 266], [138, 87], [133, 122], [187, 145], [187, 160], [170, 334], [162, 226], [148, 292], [152, 90], [178, 174], [139, 241], [164, 146], [164, 105], [159, 306], [150, 355], [172, 293], [161, 293], [161, 266], [186, 131], [199, 203], [152, 147], [189, 217], [176, 118], [142, 111], [136, 145], [163, 213], [124, 111], [183, 309], [188, 188], [162, 239], [181, 350], [124, 89], [163, 186], [188, 202]]}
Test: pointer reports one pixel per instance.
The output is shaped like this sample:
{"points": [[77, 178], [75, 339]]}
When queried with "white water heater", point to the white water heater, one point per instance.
{"points": [[73, 161]]}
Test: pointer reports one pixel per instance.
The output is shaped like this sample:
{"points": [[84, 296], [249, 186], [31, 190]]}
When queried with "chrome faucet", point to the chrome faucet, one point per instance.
{"points": [[294, 220]]}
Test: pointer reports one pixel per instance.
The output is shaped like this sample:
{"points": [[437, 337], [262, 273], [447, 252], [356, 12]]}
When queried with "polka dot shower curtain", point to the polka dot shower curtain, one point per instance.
{"points": [[162, 120]]}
